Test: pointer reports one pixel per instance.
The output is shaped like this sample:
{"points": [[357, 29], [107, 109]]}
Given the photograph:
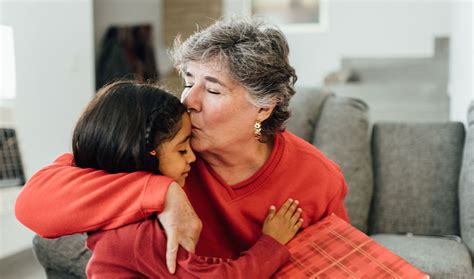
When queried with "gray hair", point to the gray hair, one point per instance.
{"points": [[256, 55]]}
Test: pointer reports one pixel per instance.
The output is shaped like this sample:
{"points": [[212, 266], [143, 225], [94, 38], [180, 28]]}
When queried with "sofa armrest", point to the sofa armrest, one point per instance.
{"points": [[466, 184], [66, 256]]}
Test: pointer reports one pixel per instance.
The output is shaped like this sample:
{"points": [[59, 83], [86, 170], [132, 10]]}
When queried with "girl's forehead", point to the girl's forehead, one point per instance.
{"points": [[184, 130]]}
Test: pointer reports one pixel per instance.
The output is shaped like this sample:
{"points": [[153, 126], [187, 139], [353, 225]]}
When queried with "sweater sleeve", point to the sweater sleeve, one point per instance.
{"points": [[61, 199], [262, 260]]}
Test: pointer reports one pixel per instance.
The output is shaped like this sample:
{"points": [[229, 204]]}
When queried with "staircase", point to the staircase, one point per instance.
{"points": [[400, 89]]}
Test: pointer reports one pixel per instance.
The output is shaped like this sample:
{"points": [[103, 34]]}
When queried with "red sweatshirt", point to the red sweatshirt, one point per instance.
{"points": [[139, 251], [62, 199]]}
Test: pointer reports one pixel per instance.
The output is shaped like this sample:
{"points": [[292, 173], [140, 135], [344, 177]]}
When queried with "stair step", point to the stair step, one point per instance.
{"points": [[405, 102], [386, 70]]}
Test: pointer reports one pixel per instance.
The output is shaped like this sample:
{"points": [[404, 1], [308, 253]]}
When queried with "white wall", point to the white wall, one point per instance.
{"points": [[55, 80], [365, 28], [369, 29], [461, 80], [132, 12]]}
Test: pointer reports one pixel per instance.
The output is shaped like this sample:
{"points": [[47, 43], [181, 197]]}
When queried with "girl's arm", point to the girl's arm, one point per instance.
{"points": [[138, 250], [62, 199], [261, 261]]}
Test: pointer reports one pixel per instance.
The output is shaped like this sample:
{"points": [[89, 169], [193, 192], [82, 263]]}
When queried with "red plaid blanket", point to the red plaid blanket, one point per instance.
{"points": [[333, 248]]}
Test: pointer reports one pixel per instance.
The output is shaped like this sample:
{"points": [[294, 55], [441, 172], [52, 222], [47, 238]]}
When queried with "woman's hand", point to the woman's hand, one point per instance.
{"points": [[284, 224], [181, 223]]}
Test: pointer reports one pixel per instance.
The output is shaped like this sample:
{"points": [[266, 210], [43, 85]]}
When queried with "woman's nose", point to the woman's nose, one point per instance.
{"points": [[191, 98]]}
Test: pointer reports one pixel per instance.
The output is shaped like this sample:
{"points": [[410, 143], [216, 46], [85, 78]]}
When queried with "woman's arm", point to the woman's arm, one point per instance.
{"points": [[62, 199]]}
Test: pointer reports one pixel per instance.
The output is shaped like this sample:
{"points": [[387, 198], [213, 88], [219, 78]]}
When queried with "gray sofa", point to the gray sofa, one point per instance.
{"points": [[411, 185]]}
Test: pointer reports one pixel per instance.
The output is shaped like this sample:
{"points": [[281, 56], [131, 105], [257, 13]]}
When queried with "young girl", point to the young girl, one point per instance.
{"points": [[132, 127]]}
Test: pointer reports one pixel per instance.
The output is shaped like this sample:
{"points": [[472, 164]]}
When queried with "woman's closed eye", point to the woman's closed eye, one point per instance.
{"points": [[183, 152], [212, 91]]}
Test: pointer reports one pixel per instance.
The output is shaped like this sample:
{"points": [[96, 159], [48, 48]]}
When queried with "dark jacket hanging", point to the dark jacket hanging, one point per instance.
{"points": [[126, 53]]}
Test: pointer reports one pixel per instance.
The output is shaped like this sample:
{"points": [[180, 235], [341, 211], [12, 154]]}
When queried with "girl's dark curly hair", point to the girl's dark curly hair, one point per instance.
{"points": [[122, 124]]}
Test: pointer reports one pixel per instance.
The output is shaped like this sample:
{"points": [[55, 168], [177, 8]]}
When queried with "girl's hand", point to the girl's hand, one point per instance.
{"points": [[284, 224]]}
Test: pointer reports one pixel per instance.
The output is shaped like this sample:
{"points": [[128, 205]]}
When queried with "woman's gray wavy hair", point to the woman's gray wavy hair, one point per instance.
{"points": [[257, 57]]}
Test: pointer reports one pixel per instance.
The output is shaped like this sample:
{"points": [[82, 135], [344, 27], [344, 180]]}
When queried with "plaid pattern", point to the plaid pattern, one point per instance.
{"points": [[333, 248]]}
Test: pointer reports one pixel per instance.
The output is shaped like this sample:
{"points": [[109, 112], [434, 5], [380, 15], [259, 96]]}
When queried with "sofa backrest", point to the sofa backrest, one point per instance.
{"points": [[339, 127], [342, 133], [306, 106], [416, 174], [466, 184]]}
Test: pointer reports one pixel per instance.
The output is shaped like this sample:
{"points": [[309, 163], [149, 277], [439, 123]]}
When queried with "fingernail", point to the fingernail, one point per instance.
{"points": [[297, 202], [291, 200]]}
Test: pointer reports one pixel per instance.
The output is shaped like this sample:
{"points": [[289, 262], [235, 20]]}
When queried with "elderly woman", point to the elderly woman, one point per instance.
{"points": [[237, 87]]}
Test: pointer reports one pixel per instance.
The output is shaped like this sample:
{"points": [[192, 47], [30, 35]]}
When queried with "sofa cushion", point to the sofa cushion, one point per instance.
{"points": [[416, 174], [439, 257], [342, 133], [305, 108], [466, 185], [66, 256]]}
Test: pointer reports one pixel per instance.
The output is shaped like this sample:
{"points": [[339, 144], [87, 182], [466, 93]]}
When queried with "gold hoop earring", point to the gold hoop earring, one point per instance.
{"points": [[257, 132]]}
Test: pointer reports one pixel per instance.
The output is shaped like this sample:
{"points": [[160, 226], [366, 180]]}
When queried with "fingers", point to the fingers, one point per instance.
{"points": [[188, 244], [296, 216], [284, 208], [298, 224], [171, 252], [289, 211], [288, 208], [292, 209], [180, 222], [271, 213]]}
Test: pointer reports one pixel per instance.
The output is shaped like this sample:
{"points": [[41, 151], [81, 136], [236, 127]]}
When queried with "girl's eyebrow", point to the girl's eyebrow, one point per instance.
{"points": [[185, 139]]}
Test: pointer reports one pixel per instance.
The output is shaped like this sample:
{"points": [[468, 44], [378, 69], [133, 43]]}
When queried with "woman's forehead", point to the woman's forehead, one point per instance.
{"points": [[214, 67], [212, 71]]}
